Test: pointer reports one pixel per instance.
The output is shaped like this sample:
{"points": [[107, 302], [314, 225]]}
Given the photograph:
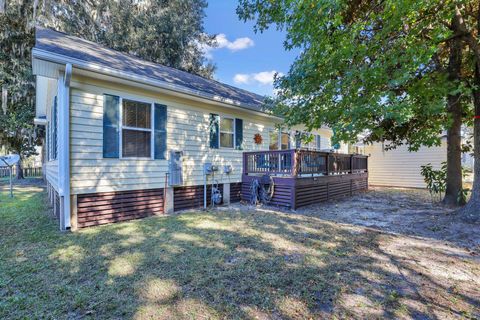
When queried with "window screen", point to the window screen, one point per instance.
{"points": [[136, 129], [226, 133]]}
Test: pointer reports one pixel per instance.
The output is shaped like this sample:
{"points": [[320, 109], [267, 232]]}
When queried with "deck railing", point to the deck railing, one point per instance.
{"points": [[295, 162]]}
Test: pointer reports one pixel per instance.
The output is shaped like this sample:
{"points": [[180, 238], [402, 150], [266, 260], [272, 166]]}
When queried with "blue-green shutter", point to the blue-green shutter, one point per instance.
{"points": [[55, 126], [111, 118], [160, 142], [238, 134], [214, 131], [318, 141]]}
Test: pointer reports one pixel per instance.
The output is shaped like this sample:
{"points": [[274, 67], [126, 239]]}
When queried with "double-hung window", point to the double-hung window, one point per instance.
{"points": [[284, 140], [136, 129], [279, 140], [227, 132], [273, 135]]}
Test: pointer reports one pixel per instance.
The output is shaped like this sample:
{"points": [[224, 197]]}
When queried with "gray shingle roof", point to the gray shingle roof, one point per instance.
{"points": [[90, 52]]}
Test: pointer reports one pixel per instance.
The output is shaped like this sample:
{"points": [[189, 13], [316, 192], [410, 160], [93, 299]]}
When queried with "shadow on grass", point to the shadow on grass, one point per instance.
{"points": [[226, 264]]}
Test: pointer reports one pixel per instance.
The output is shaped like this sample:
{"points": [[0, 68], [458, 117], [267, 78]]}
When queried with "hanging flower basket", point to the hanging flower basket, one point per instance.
{"points": [[257, 138]]}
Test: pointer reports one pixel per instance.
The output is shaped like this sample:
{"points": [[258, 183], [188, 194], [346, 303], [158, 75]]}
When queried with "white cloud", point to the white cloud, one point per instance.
{"points": [[262, 78], [223, 43], [236, 45], [241, 78]]}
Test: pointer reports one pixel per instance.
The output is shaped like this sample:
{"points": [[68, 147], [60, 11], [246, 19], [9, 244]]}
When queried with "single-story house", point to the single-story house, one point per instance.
{"points": [[126, 138]]}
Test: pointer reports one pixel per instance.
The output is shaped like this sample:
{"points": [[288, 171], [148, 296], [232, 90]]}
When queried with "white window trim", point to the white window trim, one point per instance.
{"points": [[220, 132], [151, 130]]}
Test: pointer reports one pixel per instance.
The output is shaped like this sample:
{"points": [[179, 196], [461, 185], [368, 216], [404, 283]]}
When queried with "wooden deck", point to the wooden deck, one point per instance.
{"points": [[304, 177]]}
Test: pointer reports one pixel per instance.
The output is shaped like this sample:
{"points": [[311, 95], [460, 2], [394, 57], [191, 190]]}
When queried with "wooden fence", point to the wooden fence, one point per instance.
{"points": [[27, 172]]}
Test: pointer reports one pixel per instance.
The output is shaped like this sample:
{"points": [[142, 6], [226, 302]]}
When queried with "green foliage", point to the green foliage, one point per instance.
{"points": [[16, 40], [166, 32], [368, 66], [435, 180]]}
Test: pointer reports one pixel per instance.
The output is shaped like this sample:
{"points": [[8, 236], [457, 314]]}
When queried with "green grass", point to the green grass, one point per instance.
{"points": [[225, 264]]}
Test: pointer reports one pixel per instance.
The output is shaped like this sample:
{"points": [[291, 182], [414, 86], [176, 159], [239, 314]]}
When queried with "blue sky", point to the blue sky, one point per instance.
{"points": [[245, 59]]}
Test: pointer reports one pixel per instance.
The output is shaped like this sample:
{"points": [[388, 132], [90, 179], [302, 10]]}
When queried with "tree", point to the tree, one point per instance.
{"points": [[166, 32], [402, 71], [16, 41]]}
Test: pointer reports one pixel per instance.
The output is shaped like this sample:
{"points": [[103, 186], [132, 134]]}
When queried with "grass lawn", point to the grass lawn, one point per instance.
{"points": [[231, 263]]}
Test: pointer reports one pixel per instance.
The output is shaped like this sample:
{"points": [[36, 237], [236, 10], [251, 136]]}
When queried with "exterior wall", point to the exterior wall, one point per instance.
{"points": [[47, 98], [401, 168], [187, 130]]}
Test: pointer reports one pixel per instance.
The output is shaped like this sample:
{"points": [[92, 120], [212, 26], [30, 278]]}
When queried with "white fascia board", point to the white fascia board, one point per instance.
{"points": [[80, 64]]}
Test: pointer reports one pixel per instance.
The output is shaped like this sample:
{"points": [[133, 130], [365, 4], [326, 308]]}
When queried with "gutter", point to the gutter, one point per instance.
{"points": [[81, 64], [64, 144]]}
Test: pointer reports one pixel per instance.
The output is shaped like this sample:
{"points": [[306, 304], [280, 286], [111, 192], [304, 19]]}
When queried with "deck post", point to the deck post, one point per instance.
{"points": [[294, 162], [328, 164], [352, 157], [245, 165]]}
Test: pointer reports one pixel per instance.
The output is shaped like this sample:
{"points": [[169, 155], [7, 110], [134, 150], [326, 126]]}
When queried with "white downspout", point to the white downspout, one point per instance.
{"points": [[64, 146]]}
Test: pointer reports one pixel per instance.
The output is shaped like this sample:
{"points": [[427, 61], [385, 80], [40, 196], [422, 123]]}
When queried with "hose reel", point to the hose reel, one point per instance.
{"points": [[262, 190], [216, 196]]}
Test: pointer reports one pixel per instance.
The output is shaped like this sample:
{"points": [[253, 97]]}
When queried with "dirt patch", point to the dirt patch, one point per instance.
{"points": [[403, 211]]}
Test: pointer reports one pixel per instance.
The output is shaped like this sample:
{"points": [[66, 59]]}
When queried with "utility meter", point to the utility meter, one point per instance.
{"points": [[209, 168], [227, 169]]}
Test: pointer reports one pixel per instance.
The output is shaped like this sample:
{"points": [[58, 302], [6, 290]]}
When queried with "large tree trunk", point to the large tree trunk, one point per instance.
{"points": [[472, 210], [19, 170], [454, 138]]}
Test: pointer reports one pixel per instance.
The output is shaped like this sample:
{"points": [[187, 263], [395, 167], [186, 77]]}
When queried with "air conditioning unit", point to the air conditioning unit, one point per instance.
{"points": [[175, 168]]}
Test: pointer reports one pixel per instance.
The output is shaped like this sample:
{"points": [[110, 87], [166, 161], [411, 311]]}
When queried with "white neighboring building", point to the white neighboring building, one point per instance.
{"points": [[401, 168]]}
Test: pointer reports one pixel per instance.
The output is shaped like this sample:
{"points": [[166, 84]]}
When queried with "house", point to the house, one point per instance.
{"points": [[126, 138], [400, 167]]}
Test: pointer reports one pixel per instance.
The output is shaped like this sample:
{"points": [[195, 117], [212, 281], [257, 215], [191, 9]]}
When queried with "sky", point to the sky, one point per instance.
{"points": [[244, 59]]}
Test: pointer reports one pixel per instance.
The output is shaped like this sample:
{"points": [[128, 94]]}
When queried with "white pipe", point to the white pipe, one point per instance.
{"points": [[64, 144], [204, 189]]}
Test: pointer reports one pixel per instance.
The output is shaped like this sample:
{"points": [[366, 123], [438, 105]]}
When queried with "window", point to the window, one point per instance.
{"points": [[273, 135], [136, 128], [54, 133], [227, 129], [285, 141], [279, 140], [52, 145], [314, 141]]}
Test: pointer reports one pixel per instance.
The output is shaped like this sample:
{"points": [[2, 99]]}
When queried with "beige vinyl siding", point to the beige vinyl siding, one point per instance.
{"points": [[401, 168], [47, 99], [187, 130]]}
